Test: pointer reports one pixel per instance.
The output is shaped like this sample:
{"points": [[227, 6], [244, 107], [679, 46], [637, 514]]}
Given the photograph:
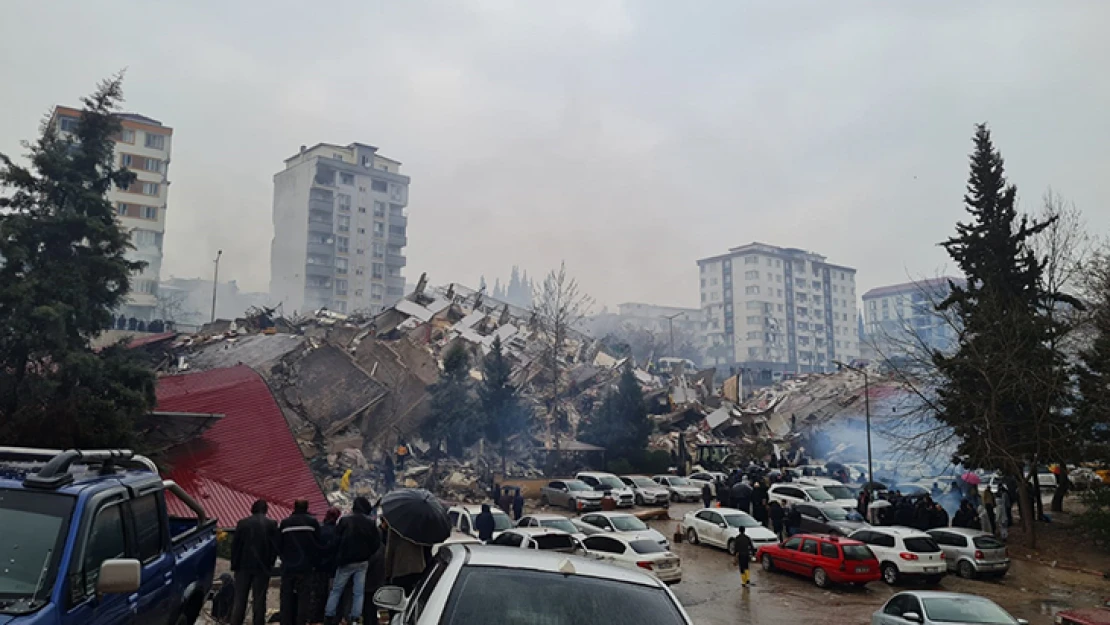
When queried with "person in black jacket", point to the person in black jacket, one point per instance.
{"points": [[253, 552], [793, 521], [484, 524], [325, 563], [518, 505], [744, 552], [706, 495], [299, 554], [358, 541], [778, 519]]}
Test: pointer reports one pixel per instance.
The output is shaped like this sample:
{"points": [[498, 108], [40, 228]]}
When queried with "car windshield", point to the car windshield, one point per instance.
{"points": [[577, 485], [643, 482], [740, 520], [486, 594], [501, 522], [857, 552], [987, 542], [679, 481], [818, 494], [628, 523], [34, 532], [922, 545], [965, 610], [835, 514], [611, 482], [560, 524], [552, 542], [646, 546], [839, 492]]}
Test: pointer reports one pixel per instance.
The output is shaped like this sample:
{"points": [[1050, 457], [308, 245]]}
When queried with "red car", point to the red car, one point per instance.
{"points": [[826, 559], [1084, 616]]}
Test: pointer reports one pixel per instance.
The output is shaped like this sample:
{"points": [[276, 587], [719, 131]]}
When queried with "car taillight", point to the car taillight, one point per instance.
{"points": [[942, 556], [644, 565], [907, 556], [978, 555]]}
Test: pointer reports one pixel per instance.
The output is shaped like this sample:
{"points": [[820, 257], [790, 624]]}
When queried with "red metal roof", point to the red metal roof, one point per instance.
{"points": [[249, 454], [149, 339]]}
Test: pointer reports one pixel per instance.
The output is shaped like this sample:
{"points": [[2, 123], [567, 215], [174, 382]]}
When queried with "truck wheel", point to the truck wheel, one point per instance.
{"points": [[890, 574], [692, 536], [820, 577], [965, 569]]}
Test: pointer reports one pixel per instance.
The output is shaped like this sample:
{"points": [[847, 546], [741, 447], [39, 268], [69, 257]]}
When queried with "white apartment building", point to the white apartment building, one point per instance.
{"points": [[902, 318], [771, 310], [144, 147], [339, 230]]}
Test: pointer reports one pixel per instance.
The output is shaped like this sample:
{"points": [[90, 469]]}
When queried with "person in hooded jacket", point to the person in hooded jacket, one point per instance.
{"points": [[778, 519], [759, 502], [299, 555], [358, 541], [254, 548], [965, 516], [723, 494], [326, 563], [741, 497], [484, 524]]}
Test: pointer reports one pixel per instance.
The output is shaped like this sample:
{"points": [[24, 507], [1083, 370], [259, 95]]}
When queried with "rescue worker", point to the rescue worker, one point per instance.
{"points": [[253, 552], [300, 550], [402, 454], [484, 524], [744, 552]]}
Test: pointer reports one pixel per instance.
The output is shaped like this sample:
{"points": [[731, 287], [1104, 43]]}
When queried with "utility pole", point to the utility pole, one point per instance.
{"points": [[670, 321], [216, 282], [867, 412]]}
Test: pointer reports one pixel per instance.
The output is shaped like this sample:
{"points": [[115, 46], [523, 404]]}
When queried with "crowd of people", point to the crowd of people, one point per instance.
{"points": [[324, 566]]}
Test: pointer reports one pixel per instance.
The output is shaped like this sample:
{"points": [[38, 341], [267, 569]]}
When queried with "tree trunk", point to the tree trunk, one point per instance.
{"points": [[1063, 485], [1038, 501]]}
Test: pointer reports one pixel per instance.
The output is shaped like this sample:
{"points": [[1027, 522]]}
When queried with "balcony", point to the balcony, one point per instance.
{"points": [[315, 269], [323, 206], [398, 219], [322, 249], [395, 260], [399, 240]]}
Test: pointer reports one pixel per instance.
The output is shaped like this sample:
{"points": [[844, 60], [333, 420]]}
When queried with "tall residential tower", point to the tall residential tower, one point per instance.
{"points": [[339, 230], [143, 146], [774, 310]]}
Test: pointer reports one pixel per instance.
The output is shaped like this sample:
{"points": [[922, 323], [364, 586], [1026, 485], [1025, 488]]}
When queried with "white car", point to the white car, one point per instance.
{"points": [[540, 538], [904, 552], [635, 553], [609, 483], [681, 489], [621, 524], [720, 527], [790, 493], [707, 477], [646, 490], [456, 538], [841, 494], [554, 521], [937, 608], [462, 519]]}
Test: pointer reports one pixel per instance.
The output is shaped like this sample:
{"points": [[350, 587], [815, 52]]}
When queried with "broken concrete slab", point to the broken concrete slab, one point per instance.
{"points": [[331, 389]]}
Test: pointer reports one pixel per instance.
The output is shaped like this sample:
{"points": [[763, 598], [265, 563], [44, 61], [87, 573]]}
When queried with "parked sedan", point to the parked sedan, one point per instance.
{"points": [[554, 521], [828, 519], [789, 494], [971, 552], [720, 527], [624, 524], [462, 519], [573, 495], [935, 608], [635, 553], [681, 489], [825, 559], [707, 477], [647, 491], [540, 538]]}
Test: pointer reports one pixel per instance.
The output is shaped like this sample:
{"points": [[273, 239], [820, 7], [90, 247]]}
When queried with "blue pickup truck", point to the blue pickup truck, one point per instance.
{"points": [[85, 538]]}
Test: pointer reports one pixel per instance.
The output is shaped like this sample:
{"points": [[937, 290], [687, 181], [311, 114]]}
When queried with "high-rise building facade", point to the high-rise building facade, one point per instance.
{"points": [[143, 146], [340, 229], [771, 310], [902, 318]]}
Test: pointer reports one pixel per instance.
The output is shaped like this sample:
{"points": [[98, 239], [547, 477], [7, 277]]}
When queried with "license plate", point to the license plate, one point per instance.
{"points": [[932, 569], [666, 565], [863, 569]]}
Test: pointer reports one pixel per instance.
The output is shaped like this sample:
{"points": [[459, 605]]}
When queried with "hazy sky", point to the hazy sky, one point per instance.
{"points": [[628, 138]]}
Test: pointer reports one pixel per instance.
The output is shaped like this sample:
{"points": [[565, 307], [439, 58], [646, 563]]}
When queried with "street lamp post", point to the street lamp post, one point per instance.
{"points": [[670, 320], [867, 413], [216, 282]]}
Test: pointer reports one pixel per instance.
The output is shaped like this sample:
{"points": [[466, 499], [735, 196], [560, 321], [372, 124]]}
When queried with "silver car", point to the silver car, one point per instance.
{"points": [[647, 491], [936, 608], [483, 584], [574, 495], [971, 552]]}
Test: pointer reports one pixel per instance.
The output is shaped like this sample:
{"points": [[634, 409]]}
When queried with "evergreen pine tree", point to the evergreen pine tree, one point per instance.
{"points": [[621, 424], [453, 419], [512, 294], [504, 413], [482, 283], [1002, 390], [498, 293], [1093, 371], [64, 272]]}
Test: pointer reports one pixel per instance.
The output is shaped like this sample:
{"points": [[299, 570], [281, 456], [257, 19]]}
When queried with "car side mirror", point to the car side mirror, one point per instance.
{"points": [[722, 525], [608, 529], [912, 617], [119, 577], [391, 598]]}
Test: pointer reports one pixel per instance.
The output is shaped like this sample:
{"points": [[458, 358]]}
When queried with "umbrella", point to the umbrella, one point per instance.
{"points": [[417, 515], [970, 478]]}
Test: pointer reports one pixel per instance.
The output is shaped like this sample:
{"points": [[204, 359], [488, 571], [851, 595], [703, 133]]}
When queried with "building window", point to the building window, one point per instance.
{"points": [[398, 230], [800, 283], [751, 275], [779, 292], [347, 179], [780, 307], [803, 326], [754, 335], [150, 188], [127, 136], [703, 283], [362, 209], [147, 239], [157, 142], [714, 296], [379, 228], [360, 251], [754, 320], [125, 160], [703, 297], [340, 287], [816, 285], [753, 352], [343, 201], [379, 209], [343, 245], [121, 209], [380, 186], [377, 271], [751, 260], [149, 212], [751, 290], [154, 164], [341, 266], [344, 223], [376, 250], [68, 124]]}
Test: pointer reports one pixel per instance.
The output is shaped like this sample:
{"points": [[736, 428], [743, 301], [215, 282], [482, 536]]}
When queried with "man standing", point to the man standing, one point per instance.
{"points": [[518, 505], [778, 518], [759, 503], [358, 541], [706, 495], [988, 503], [253, 552], [744, 553], [300, 552], [484, 524]]}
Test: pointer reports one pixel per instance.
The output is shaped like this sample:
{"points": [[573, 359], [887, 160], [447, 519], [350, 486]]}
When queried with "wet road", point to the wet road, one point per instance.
{"points": [[710, 590]]}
